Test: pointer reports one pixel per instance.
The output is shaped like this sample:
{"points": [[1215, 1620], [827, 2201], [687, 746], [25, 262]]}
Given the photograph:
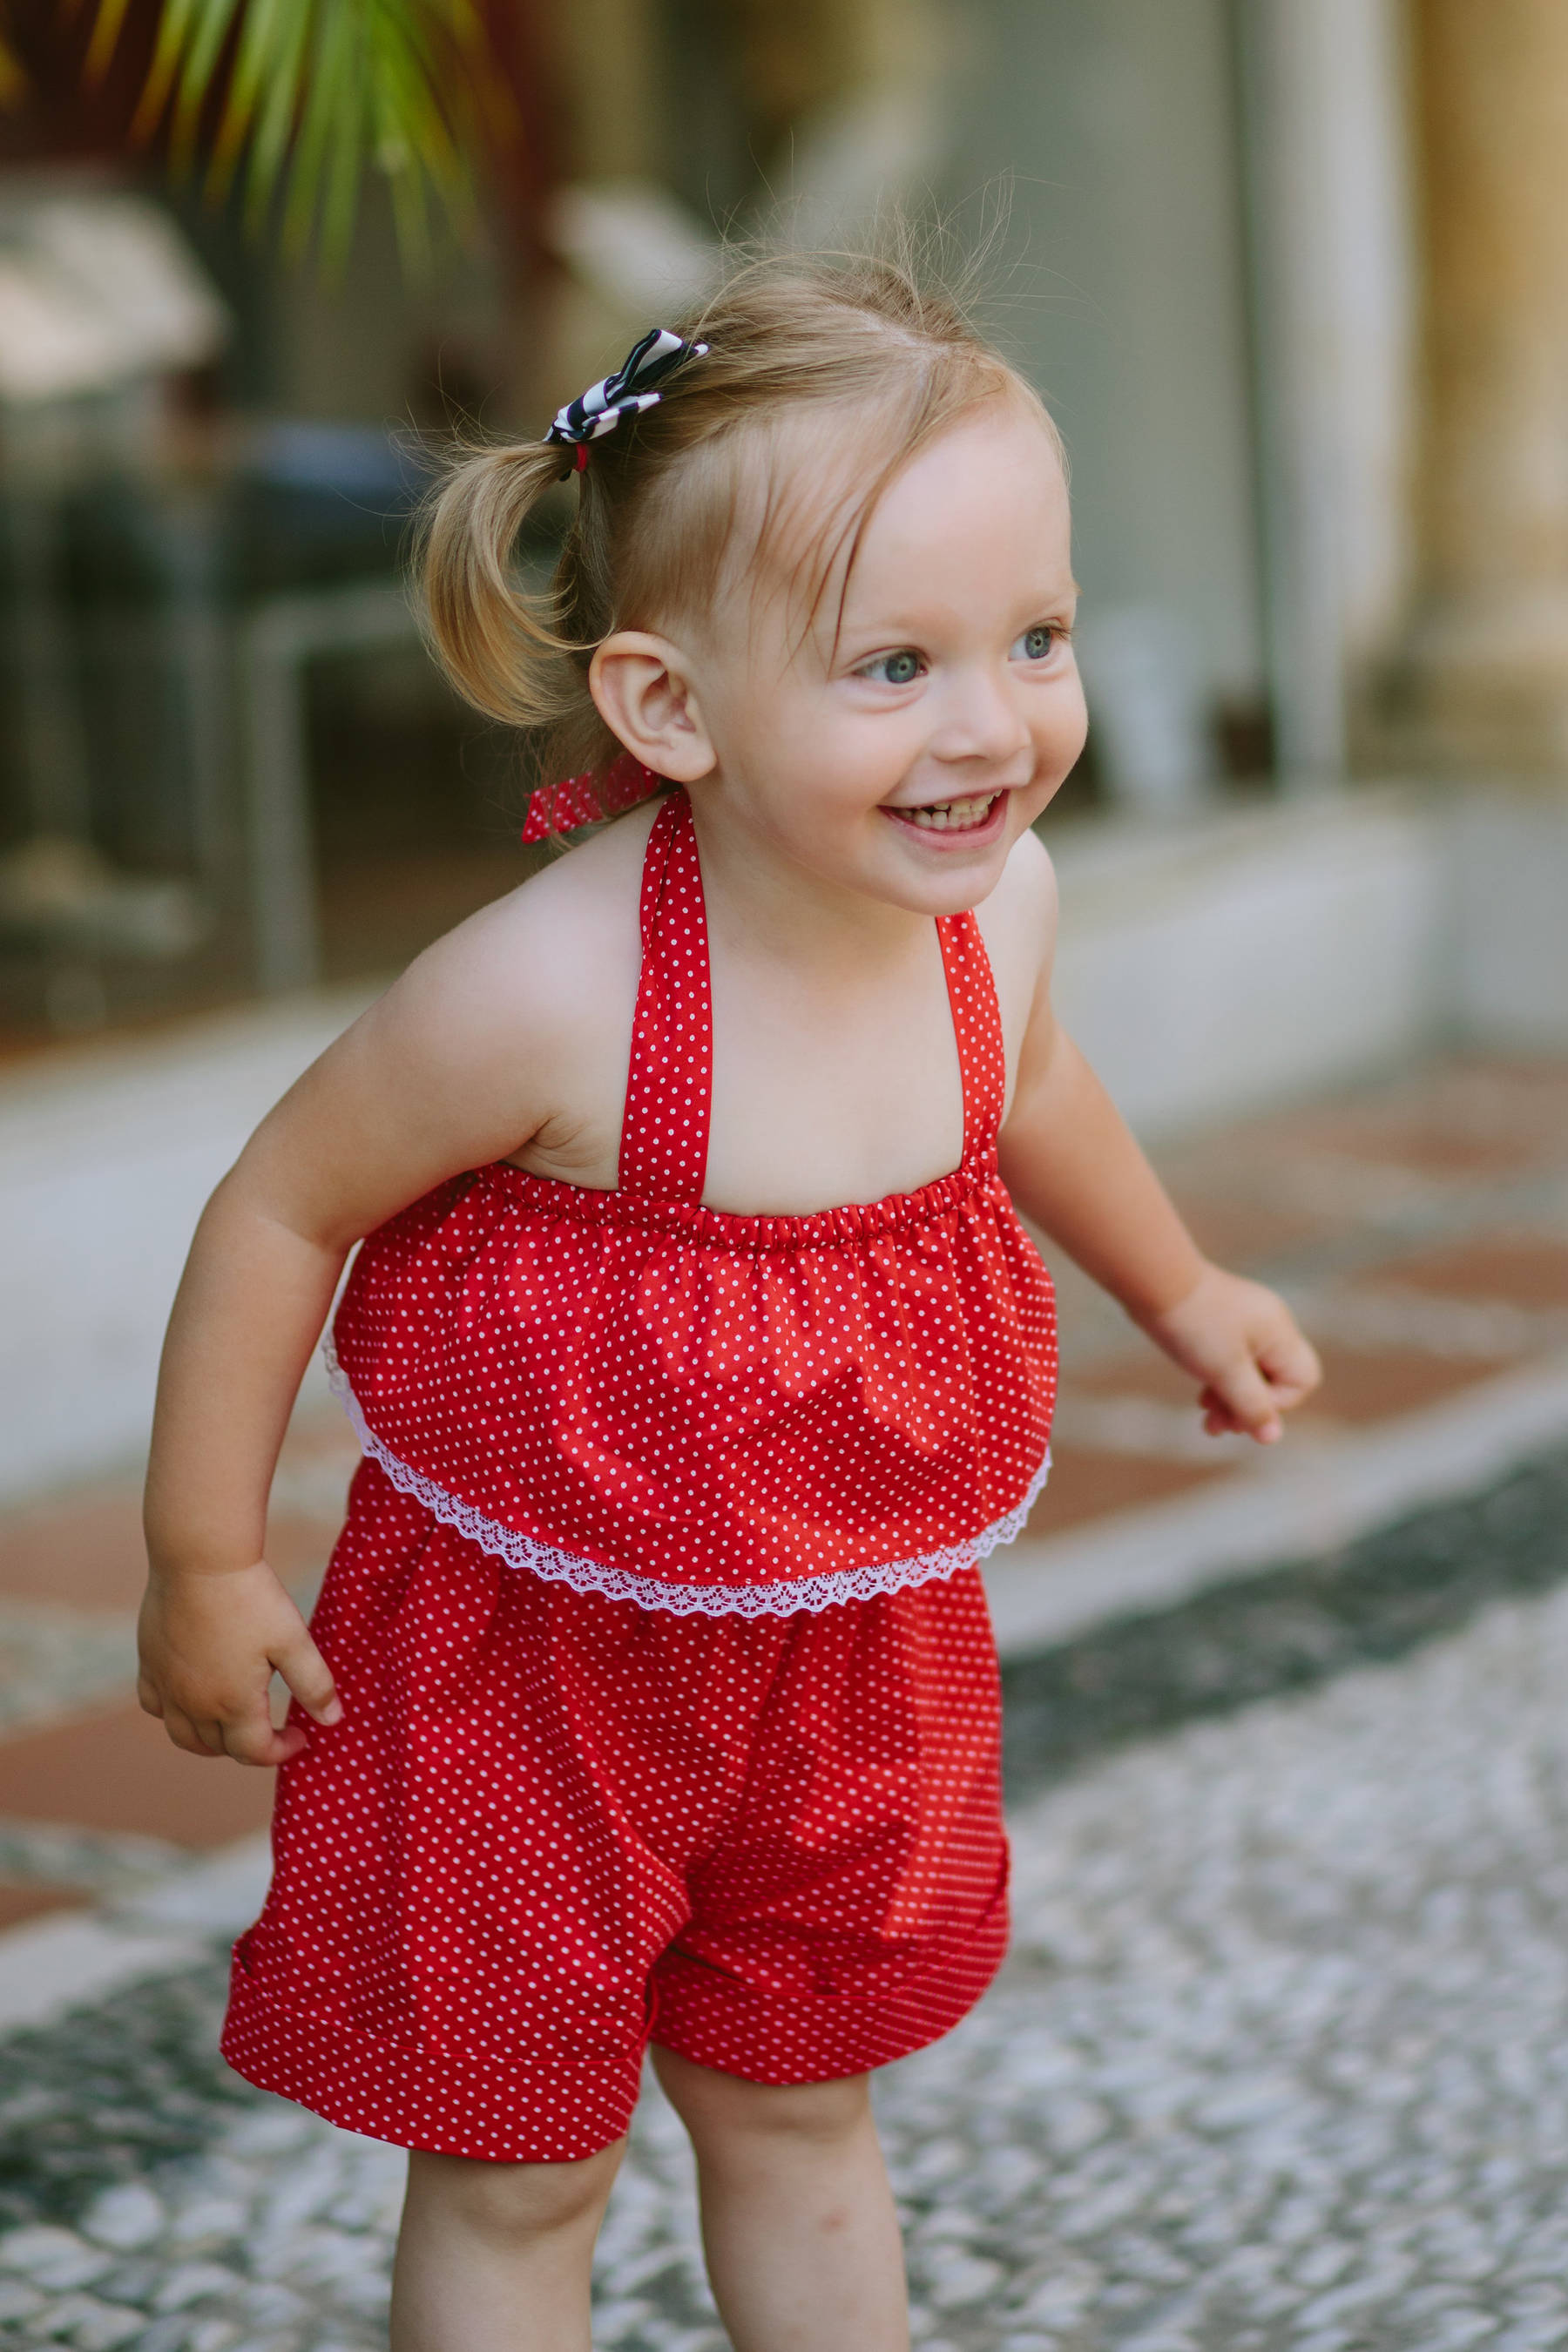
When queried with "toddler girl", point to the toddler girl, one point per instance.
{"points": [[695, 1347]]}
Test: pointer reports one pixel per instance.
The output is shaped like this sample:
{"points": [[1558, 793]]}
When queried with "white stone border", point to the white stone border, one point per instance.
{"points": [[1294, 1503], [48, 1965]]}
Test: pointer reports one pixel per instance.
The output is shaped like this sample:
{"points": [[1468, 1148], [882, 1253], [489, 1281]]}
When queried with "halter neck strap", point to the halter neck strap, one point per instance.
{"points": [[977, 1025], [669, 1082]]}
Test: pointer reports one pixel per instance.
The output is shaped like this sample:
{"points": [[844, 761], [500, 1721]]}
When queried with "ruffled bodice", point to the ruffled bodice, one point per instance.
{"points": [[693, 1409]]}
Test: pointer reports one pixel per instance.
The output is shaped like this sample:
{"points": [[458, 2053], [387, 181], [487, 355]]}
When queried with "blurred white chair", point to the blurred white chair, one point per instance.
{"points": [[1148, 708]]}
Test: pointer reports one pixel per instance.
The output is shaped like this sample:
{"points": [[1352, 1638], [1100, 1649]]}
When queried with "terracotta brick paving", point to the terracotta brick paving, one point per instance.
{"points": [[1525, 1270], [19, 1903], [1432, 1200], [1360, 1384], [84, 1550], [1088, 1481], [1244, 1234], [117, 1771]]}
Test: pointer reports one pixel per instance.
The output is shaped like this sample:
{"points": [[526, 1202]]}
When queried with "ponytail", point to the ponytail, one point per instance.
{"points": [[496, 641]]}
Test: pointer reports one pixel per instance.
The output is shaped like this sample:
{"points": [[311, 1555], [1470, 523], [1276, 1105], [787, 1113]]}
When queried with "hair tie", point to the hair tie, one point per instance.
{"points": [[600, 409]]}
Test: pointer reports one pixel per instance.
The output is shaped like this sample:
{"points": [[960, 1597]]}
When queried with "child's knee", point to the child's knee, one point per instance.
{"points": [[507, 2204], [724, 2107]]}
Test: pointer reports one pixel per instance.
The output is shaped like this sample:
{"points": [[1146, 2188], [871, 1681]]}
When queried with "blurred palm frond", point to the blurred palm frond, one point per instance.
{"points": [[308, 95], [12, 74]]}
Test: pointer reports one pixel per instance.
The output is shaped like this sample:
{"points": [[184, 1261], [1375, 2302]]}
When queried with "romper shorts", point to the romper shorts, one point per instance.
{"points": [[552, 1827]]}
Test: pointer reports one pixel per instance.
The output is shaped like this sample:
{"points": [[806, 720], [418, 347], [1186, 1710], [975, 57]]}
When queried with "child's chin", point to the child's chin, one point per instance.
{"points": [[926, 887]]}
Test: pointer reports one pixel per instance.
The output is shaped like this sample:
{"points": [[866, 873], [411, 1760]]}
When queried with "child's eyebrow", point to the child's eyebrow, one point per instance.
{"points": [[895, 622]]}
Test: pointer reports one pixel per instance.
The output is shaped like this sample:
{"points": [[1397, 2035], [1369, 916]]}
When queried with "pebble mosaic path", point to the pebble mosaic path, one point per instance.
{"points": [[1279, 2062]]}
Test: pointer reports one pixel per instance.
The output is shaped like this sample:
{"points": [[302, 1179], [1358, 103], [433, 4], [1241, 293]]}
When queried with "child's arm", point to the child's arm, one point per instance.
{"points": [[1072, 1166], [441, 1075]]}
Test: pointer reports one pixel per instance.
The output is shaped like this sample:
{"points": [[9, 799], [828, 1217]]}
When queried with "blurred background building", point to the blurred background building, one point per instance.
{"points": [[1291, 274]]}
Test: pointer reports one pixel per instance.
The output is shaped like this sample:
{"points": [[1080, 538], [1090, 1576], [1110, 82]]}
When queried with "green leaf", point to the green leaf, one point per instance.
{"points": [[312, 94]]}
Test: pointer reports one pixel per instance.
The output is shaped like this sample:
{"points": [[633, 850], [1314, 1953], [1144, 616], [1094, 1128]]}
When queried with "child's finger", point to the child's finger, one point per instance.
{"points": [[254, 1740], [1292, 1368], [184, 1732], [1218, 1419], [1242, 1393], [310, 1678]]}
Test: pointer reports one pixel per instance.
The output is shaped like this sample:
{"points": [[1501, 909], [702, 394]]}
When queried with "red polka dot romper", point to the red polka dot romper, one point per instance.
{"points": [[670, 1698]]}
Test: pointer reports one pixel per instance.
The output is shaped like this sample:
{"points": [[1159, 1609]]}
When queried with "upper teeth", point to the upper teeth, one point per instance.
{"points": [[945, 814]]}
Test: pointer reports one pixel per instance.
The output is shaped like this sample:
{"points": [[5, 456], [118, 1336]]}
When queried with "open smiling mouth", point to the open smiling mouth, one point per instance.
{"points": [[952, 817]]}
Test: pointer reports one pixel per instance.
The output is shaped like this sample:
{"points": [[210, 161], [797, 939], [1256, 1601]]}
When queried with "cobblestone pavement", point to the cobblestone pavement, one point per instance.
{"points": [[1279, 2062]]}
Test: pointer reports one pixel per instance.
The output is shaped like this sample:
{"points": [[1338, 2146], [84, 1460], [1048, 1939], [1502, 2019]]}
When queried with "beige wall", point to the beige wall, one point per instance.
{"points": [[1488, 682], [1126, 294], [1326, 106]]}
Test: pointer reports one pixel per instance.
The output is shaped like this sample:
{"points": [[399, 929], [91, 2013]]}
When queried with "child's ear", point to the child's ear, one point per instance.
{"points": [[644, 697]]}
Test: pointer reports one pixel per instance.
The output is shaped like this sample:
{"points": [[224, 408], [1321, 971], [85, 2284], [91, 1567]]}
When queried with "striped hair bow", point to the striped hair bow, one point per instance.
{"points": [[631, 389]]}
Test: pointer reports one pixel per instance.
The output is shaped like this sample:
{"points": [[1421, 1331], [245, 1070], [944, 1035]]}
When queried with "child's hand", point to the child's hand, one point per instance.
{"points": [[210, 1642], [1244, 1345]]}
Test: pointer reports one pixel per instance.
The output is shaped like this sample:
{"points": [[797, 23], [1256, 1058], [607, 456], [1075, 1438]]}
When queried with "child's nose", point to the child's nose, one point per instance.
{"points": [[982, 721]]}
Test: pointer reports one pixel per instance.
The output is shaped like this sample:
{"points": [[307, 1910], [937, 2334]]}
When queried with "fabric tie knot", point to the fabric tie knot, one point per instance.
{"points": [[589, 798]]}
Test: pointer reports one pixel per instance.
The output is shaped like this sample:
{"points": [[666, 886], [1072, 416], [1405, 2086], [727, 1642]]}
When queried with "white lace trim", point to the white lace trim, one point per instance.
{"points": [[812, 1593]]}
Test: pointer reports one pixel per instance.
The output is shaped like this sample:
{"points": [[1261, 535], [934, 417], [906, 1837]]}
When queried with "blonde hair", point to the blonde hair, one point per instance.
{"points": [[661, 500]]}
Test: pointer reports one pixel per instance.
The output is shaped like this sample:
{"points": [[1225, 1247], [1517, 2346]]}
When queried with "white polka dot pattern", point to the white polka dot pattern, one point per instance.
{"points": [[670, 1080], [549, 1826], [697, 1411]]}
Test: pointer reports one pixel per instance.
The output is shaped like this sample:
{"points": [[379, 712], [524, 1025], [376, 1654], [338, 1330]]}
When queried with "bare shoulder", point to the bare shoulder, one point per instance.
{"points": [[1018, 924], [512, 1026], [1026, 894], [510, 1031], [547, 964]]}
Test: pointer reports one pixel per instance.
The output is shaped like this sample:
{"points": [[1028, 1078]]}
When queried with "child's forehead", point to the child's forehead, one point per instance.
{"points": [[832, 511], [992, 484]]}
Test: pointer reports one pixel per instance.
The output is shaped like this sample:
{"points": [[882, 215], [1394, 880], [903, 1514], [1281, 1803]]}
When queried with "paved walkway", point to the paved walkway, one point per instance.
{"points": [[1277, 2061]]}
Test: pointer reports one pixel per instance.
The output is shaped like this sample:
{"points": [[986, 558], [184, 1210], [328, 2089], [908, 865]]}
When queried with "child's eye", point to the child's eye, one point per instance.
{"points": [[1036, 644], [901, 668]]}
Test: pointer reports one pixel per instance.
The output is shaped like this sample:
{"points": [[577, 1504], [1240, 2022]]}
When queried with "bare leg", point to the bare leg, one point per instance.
{"points": [[798, 2224], [497, 2257]]}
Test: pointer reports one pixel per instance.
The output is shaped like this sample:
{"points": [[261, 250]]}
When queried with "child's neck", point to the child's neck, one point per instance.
{"points": [[777, 910]]}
